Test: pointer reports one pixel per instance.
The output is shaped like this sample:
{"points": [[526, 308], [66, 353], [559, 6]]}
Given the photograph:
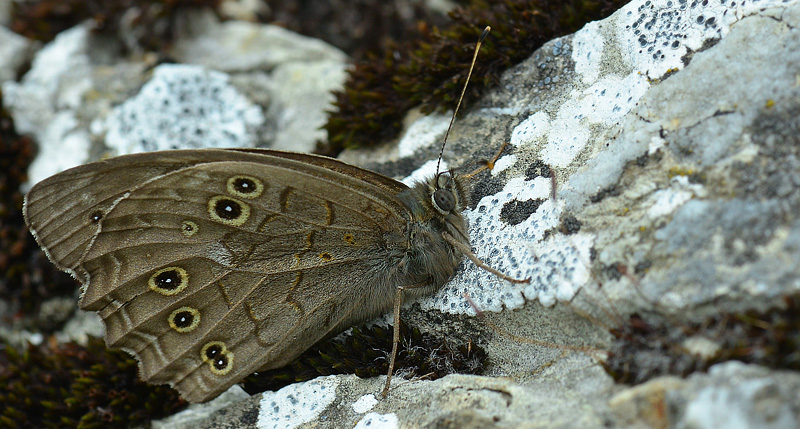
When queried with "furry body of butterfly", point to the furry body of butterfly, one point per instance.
{"points": [[209, 265]]}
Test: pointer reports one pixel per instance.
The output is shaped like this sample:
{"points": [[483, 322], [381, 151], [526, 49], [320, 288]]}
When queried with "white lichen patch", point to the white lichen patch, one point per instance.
{"points": [[43, 102], [184, 106], [557, 266], [531, 131], [664, 202], [364, 403], [654, 36], [378, 421], [503, 163], [296, 404], [566, 136], [424, 132], [424, 172]]}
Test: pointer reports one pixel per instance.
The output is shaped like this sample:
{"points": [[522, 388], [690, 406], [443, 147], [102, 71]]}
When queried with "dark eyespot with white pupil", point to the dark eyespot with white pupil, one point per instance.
{"points": [[444, 200], [183, 319], [228, 209], [221, 362], [168, 280], [96, 216], [213, 351], [244, 185]]}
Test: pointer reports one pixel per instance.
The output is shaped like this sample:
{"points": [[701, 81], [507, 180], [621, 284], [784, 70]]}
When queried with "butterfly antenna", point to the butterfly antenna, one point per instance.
{"points": [[463, 91]]}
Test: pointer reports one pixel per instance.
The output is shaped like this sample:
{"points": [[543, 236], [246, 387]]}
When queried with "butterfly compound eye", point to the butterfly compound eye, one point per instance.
{"points": [[444, 200]]}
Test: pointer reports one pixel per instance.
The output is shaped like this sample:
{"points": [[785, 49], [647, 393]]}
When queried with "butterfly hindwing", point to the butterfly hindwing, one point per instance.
{"points": [[210, 266]]}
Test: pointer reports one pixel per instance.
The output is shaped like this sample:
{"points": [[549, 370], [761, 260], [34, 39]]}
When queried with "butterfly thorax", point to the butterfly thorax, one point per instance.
{"points": [[429, 261]]}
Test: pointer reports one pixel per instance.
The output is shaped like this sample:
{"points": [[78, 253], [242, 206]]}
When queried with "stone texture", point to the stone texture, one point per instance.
{"points": [[671, 129], [79, 95]]}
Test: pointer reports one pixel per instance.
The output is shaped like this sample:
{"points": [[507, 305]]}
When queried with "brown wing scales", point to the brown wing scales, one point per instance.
{"points": [[212, 271]]}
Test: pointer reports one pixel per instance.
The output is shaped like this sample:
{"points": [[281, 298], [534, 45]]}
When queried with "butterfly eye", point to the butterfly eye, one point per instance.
{"points": [[444, 200]]}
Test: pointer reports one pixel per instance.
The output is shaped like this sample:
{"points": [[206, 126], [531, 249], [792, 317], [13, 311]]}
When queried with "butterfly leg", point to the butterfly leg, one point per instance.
{"points": [[488, 165], [398, 301]]}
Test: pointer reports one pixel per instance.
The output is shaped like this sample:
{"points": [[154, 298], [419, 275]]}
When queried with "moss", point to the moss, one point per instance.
{"points": [[354, 26], [365, 353], [26, 276], [51, 385], [153, 19], [74, 386], [645, 348], [430, 71]]}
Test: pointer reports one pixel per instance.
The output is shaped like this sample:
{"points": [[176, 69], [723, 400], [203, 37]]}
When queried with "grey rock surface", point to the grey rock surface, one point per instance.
{"points": [[672, 133], [80, 97]]}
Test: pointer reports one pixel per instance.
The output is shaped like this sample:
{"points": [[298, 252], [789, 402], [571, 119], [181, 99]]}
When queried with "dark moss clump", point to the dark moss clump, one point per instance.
{"points": [[153, 19], [644, 349], [431, 70], [26, 276], [74, 386], [365, 353], [354, 26]]}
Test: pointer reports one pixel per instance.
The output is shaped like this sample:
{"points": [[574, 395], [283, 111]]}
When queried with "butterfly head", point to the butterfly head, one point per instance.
{"points": [[447, 193]]}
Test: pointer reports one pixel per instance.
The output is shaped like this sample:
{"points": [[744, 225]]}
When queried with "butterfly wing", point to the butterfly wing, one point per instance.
{"points": [[210, 265]]}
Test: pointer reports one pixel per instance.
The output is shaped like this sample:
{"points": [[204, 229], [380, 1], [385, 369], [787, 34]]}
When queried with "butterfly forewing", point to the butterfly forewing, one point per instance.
{"points": [[209, 265]]}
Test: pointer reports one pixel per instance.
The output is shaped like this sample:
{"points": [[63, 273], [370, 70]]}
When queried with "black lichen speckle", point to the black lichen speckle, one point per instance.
{"points": [[642, 267], [515, 212], [570, 224], [537, 169], [487, 185], [610, 191]]}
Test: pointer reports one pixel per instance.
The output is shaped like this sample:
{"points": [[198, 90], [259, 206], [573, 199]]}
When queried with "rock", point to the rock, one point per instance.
{"points": [[302, 72], [80, 98], [15, 51], [184, 107], [675, 152], [43, 104], [671, 131]]}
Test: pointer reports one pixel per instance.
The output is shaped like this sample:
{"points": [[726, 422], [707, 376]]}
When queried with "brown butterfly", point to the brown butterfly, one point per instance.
{"points": [[209, 265]]}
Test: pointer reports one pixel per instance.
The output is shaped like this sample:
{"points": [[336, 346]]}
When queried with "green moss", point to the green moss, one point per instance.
{"points": [[74, 386], [431, 70]]}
